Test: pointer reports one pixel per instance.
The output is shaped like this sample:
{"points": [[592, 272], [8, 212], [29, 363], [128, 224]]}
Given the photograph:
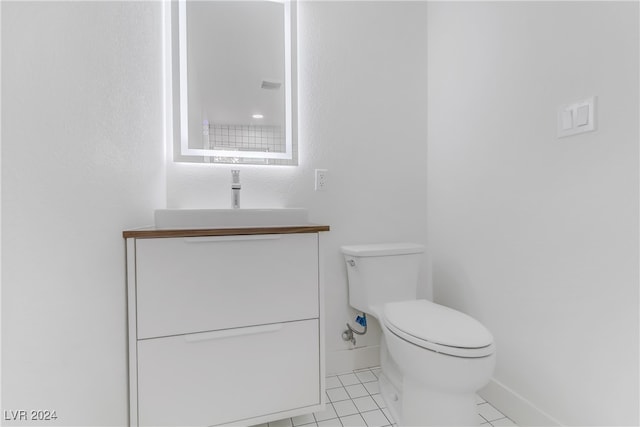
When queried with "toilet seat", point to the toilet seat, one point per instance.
{"points": [[438, 328]]}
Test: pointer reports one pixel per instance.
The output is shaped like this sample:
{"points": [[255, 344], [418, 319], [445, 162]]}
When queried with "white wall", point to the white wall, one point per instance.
{"points": [[538, 237], [362, 103], [82, 159]]}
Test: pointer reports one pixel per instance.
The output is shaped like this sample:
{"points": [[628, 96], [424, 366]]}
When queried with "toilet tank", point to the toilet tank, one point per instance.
{"points": [[381, 273]]}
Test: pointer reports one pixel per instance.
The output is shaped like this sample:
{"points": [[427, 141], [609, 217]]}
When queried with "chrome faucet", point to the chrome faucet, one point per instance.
{"points": [[235, 189]]}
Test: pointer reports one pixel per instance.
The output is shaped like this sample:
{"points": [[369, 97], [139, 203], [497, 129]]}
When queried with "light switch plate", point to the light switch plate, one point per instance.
{"points": [[576, 118]]}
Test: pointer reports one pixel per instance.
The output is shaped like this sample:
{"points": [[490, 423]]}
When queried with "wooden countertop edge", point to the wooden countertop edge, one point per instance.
{"points": [[160, 233]]}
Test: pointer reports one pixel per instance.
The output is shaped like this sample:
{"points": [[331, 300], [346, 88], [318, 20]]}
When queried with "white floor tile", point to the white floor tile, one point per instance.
{"points": [[281, 423], [348, 379], [357, 390], [489, 412], [345, 407], [365, 403], [379, 400], [504, 422], [372, 388], [337, 394], [359, 403], [332, 382], [353, 421], [327, 414], [366, 376], [335, 422], [375, 418], [388, 415], [303, 419]]}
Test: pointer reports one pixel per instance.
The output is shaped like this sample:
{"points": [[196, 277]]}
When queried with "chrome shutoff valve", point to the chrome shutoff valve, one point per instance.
{"points": [[348, 334]]}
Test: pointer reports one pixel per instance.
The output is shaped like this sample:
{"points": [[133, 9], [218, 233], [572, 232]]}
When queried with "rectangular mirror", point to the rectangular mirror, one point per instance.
{"points": [[233, 81]]}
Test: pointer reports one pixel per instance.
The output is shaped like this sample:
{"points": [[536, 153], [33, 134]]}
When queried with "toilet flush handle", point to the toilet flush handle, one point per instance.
{"points": [[351, 262]]}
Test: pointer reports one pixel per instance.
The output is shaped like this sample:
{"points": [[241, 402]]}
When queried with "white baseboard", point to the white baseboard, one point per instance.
{"points": [[341, 361], [520, 410]]}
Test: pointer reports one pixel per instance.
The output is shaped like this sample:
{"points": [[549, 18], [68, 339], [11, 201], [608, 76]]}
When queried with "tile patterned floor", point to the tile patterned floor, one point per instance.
{"points": [[353, 399]]}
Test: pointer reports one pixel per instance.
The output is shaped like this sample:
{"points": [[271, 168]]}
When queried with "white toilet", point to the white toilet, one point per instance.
{"points": [[433, 358]]}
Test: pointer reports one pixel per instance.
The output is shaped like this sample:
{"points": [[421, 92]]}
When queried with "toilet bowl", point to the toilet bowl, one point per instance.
{"points": [[433, 358], [442, 366]]}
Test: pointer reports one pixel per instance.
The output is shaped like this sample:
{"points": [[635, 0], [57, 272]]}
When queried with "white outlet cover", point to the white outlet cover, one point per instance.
{"points": [[576, 118], [321, 179]]}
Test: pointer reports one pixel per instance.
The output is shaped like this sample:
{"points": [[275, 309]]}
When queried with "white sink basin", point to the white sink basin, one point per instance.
{"points": [[229, 218]]}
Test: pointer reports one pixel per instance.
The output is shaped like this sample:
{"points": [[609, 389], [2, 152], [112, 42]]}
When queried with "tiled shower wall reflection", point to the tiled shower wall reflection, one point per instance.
{"points": [[248, 138]]}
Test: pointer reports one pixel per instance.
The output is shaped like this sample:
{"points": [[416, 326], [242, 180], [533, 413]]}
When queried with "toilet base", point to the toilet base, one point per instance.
{"points": [[411, 403], [425, 407], [415, 406], [391, 396]]}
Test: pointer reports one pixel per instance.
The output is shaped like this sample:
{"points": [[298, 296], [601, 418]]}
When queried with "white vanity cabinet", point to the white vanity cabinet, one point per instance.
{"points": [[224, 328]]}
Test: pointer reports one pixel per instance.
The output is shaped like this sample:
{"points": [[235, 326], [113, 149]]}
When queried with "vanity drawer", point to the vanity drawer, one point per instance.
{"points": [[225, 376], [192, 284]]}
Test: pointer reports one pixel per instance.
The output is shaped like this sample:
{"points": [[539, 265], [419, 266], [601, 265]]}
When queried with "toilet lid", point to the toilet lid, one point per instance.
{"points": [[439, 328]]}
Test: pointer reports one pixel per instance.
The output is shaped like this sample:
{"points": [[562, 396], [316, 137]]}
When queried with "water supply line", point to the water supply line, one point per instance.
{"points": [[348, 334]]}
